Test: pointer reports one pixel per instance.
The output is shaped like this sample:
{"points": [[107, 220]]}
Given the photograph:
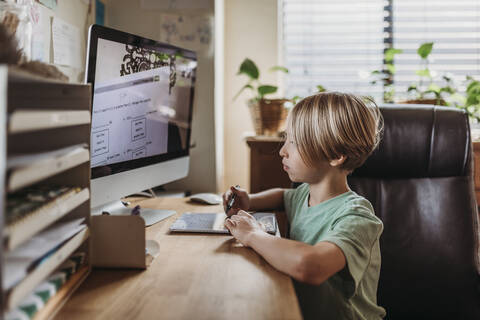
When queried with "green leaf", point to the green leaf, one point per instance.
{"points": [[425, 49], [375, 72], [412, 87], [390, 68], [390, 54], [448, 89], [423, 73], [266, 89], [249, 68], [473, 86], [295, 99], [247, 86], [472, 100], [321, 88], [434, 88], [437, 94], [278, 68]]}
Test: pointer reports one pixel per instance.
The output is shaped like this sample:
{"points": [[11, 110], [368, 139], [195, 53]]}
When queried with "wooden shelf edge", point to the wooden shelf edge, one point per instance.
{"points": [[55, 303], [22, 121], [21, 231], [27, 176]]}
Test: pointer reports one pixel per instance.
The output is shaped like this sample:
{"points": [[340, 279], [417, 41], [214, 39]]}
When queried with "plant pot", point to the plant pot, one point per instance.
{"points": [[268, 116]]}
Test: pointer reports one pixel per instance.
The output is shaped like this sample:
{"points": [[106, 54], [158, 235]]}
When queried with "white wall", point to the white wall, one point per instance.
{"points": [[250, 31], [127, 15], [74, 12]]}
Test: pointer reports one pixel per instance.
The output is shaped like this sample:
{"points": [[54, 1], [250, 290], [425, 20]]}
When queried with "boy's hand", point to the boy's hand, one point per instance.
{"points": [[242, 225], [242, 200]]}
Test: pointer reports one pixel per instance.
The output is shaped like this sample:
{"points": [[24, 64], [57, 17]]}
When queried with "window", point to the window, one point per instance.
{"points": [[454, 28], [338, 44], [335, 44]]}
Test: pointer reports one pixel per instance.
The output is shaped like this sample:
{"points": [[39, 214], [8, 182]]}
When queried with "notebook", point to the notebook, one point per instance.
{"points": [[214, 222]]}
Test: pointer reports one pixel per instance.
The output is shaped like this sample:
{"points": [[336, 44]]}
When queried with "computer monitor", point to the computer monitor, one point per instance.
{"points": [[141, 113]]}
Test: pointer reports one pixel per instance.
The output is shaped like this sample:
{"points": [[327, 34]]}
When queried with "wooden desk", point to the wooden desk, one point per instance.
{"points": [[195, 276]]}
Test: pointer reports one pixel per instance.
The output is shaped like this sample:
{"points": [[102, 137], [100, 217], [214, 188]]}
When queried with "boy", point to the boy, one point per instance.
{"points": [[333, 253]]}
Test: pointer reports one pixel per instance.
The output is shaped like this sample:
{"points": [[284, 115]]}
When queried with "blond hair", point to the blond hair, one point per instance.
{"points": [[329, 125]]}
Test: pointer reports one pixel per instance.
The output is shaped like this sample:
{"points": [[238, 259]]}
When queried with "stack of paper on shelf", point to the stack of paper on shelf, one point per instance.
{"points": [[32, 253], [24, 170], [34, 208]]}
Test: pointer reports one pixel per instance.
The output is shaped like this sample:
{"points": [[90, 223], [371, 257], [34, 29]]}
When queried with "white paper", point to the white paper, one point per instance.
{"points": [[41, 37], [19, 260], [66, 44], [194, 32]]}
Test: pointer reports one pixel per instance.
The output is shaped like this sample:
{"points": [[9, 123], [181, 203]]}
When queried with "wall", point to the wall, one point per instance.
{"points": [[250, 31], [128, 15], [73, 12]]}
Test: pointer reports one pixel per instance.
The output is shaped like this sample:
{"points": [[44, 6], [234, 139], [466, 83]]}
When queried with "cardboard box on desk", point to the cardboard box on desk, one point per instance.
{"points": [[119, 242]]}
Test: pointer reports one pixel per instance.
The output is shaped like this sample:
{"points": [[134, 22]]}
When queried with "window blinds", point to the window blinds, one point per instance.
{"points": [[335, 44], [454, 28], [338, 44]]}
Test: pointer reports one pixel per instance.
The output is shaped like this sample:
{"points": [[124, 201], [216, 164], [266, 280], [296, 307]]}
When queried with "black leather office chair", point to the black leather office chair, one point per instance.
{"points": [[420, 182]]}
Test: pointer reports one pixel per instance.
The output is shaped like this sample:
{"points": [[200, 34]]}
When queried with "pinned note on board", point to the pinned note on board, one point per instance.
{"points": [[194, 32], [66, 44]]}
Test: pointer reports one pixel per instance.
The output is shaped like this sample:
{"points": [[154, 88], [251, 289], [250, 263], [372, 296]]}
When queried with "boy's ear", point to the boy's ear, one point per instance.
{"points": [[338, 162]]}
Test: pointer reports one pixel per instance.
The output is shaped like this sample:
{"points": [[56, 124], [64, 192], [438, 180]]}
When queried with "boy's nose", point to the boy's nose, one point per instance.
{"points": [[282, 151]]}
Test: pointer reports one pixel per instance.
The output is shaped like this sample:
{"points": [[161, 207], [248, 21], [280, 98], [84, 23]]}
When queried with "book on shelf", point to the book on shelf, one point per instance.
{"points": [[34, 208], [24, 170], [30, 120]]}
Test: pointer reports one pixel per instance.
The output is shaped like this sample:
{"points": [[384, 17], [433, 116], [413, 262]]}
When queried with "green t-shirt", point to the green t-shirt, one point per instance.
{"points": [[347, 220]]}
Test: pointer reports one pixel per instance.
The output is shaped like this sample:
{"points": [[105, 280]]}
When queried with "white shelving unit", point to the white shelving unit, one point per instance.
{"points": [[45, 142]]}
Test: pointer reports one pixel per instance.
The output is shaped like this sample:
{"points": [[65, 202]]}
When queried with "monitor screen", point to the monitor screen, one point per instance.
{"points": [[142, 101]]}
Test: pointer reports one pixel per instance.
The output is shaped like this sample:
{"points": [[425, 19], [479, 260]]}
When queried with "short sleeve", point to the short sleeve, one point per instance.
{"points": [[355, 233]]}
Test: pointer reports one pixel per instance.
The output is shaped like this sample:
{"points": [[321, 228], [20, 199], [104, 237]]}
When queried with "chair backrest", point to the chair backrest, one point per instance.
{"points": [[420, 183]]}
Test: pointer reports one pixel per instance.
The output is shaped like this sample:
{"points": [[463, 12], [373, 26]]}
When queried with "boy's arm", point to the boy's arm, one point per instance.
{"points": [[306, 263], [268, 199]]}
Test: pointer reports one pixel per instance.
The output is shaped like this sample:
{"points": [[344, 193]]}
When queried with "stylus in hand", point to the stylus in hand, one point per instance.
{"points": [[232, 200]]}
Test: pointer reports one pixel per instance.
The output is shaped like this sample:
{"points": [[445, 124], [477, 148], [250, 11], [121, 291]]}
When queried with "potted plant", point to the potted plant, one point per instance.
{"points": [[426, 91], [268, 115]]}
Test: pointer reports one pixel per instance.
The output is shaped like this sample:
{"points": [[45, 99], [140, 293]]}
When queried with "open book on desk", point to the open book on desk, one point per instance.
{"points": [[214, 222]]}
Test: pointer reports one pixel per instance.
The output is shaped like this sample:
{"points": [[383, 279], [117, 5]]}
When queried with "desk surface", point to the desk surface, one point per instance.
{"points": [[195, 276]]}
